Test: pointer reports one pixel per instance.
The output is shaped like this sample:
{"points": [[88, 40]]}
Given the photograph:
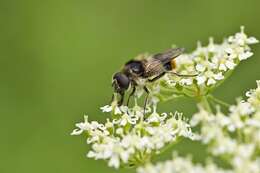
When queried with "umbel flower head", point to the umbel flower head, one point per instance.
{"points": [[234, 137], [212, 64], [181, 165], [129, 138]]}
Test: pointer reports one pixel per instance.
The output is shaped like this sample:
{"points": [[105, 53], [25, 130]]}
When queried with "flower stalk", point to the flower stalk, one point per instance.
{"points": [[203, 101], [218, 101]]}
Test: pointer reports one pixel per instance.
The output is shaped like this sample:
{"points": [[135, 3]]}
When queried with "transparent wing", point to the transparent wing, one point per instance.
{"points": [[154, 65], [168, 55]]}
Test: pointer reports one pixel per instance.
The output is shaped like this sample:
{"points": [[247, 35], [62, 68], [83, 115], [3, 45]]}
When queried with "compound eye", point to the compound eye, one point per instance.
{"points": [[122, 81]]}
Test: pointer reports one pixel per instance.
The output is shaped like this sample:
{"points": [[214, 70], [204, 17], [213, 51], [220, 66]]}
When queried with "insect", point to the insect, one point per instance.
{"points": [[148, 69]]}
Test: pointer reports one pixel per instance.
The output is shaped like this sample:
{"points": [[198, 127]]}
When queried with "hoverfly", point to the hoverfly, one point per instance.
{"points": [[148, 69]]}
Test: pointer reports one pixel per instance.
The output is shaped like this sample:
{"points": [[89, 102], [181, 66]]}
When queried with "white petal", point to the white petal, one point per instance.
{"points": [[117, 110], [76, 132], [251, 40], [240, 41], [229, 50], [119, 131], [106, 108], [230, 64], [123, 121], [200, 67], [124, 156], [185, 82], [249, 93], [258, 83], [154, 117], [245, 55], [211, 81], [114, 162], [91, 154], [107, 154], [213, 65], [222, 67], [218, 76], [200, 79]]}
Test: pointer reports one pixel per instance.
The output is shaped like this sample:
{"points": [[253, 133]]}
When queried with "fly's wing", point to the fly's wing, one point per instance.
{"points": [[168, 55], [152, 67], [155, 64]]}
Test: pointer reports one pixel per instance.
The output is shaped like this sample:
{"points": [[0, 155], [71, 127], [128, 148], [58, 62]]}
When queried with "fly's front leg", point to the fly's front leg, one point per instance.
{"points": [[146, 98], [112, 99], [121, 99], [131, 94]]}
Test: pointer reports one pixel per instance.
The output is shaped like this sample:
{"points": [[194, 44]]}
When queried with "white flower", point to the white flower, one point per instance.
{"points": [[181, 165], [200, 68], [126, 118], [84, 126], [227, 64], [113, 107], [223, 67], [251, 40], [224, 146], [106, 108], [230, 64], [117, 110], [229, 50], [245, 55], [211, 81], [114, 161], [243, 108], [156, 118], [201, 79], [239, 38], [78, 131], [185, 81], [218, 76]]}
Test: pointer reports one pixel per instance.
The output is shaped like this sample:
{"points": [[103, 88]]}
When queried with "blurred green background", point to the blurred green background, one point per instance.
{"points": [[57, 58]]}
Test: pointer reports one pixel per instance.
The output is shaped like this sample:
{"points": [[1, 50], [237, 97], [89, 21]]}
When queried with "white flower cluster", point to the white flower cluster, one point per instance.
{"points": [[129, 139], [212, 64], [181, 165], [234, 137]]}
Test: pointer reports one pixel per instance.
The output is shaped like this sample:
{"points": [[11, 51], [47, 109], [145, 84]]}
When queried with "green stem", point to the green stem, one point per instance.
{"points": [[204, 102], [218, 101], [169, 146]]}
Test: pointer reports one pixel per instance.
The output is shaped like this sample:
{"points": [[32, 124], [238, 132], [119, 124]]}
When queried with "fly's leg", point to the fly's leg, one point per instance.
{"points": [[121, 99], [146, 98], [131, 94], [112, 98], [182, 75], [157, 77]]}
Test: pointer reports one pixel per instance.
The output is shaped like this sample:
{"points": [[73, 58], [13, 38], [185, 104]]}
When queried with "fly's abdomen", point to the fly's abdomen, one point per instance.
{"points": [[170, 65]]}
